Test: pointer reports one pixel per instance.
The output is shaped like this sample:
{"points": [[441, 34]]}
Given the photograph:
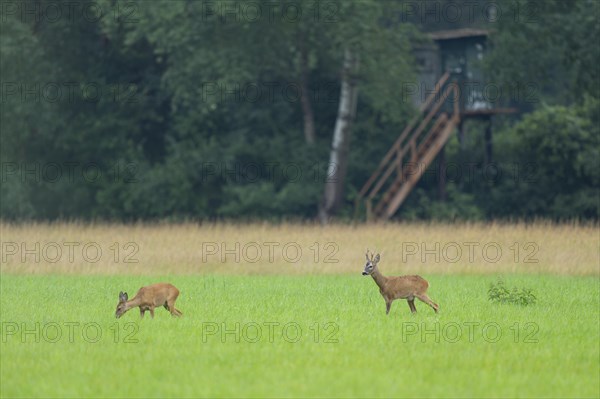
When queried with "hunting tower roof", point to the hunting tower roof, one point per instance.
{"points": [[458, 33]]}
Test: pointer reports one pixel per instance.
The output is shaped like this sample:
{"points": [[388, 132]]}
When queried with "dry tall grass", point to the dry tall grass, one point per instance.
{"points": [[234, 249]]}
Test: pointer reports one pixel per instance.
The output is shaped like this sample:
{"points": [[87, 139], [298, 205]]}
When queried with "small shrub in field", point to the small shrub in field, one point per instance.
{"points": [[499, 293]]}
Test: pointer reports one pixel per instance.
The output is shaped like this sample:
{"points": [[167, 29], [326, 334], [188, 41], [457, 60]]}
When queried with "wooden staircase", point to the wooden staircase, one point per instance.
{"points": [[411, 154]]}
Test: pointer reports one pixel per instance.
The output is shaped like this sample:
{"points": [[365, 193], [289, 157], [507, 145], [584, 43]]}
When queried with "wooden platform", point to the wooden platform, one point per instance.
{"points": [[485, 112]]}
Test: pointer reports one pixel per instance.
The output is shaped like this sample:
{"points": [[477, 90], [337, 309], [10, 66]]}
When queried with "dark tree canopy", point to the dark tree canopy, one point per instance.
{"points": [[190, 109]]}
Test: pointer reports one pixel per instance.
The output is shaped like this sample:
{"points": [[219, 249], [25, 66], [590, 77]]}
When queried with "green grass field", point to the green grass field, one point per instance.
{"points": [[333, 338]]}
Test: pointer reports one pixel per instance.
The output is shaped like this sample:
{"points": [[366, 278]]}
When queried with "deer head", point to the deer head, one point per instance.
{"points": [[121, 306], [371, 265]]}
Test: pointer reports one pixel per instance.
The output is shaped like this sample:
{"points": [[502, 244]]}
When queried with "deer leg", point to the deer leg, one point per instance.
{"points": [[177, 312], [142, 311], [411, 305], [388, 305], [425, 298], [171, 307], [151, 311]]}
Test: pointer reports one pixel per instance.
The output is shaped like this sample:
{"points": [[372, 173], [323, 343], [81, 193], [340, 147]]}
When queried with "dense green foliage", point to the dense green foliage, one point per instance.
{"points": [[500, 293], [545, 165], [472, 348], [155, 110]]}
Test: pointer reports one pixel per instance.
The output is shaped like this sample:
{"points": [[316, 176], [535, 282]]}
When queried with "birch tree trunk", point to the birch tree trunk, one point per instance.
{"points": [[338, 158]]}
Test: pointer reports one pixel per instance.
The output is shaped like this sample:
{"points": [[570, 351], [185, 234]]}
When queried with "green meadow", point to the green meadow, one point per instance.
{"points": [[298, 336]]}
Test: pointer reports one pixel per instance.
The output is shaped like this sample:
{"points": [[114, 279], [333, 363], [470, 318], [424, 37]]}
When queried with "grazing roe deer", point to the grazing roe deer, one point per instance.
{"points": [[148, 298], [402, 287]]}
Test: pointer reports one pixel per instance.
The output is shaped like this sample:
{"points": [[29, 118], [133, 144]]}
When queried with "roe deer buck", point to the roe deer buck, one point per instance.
{"points": [[402, 287], [149, 297]]}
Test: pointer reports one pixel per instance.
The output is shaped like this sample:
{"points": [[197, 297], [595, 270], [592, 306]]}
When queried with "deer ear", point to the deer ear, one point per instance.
{"points": [[377, 257], [125, 296]]}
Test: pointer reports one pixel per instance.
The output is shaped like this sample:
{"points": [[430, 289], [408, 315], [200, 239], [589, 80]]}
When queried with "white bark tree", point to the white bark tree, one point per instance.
{"points": [[338, 157]]}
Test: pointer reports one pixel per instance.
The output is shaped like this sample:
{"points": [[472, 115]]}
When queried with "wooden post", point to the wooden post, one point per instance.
{"points": [[461, 135], [488, 142], [461, 145], [442, 174]]}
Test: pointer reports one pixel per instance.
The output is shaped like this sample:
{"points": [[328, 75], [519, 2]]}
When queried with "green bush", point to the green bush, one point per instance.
{"points": [[499, 293]]}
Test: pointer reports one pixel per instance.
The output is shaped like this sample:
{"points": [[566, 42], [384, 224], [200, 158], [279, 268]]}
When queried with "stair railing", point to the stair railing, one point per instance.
{"points": [[407, 143]]}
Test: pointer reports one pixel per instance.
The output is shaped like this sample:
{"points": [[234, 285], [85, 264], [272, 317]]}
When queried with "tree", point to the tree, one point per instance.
{"points": [[338, 158], [547, 46], [554, 158], [304, 50]]}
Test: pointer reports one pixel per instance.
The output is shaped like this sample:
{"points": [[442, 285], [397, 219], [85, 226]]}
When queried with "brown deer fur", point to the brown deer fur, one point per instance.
{"points": [[402, 287], [148, 298]]}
